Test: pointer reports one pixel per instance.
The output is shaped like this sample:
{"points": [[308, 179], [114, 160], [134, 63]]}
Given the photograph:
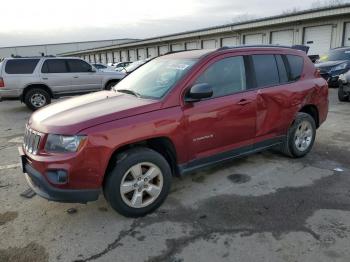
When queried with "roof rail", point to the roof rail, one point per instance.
{"points": [[297, 47], [18, 56]]}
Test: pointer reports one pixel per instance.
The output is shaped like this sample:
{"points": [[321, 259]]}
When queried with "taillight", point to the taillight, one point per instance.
{"points": [[2, 83]]}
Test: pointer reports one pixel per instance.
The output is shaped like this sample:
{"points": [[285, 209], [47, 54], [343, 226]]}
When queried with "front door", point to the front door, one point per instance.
{"points": [[226, 121], [83, 79]]}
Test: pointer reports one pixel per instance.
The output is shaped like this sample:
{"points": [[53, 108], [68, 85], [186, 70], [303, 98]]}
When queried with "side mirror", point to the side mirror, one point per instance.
{"points": [[198, 92], [92, 69]]}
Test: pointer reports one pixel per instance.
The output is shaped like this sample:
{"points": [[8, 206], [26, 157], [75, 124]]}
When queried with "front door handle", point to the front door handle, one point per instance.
{"points": [[75, 76], [243, 102]]}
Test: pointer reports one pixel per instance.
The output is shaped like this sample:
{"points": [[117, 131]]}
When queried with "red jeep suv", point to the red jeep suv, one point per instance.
{"points": [[178, 113]]}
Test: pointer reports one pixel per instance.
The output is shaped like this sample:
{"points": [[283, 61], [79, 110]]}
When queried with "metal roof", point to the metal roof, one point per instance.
{"points": [[231, 27]]}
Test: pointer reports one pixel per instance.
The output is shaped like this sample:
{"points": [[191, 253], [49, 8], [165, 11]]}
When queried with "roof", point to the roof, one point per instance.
{"points": [[190, 54]]}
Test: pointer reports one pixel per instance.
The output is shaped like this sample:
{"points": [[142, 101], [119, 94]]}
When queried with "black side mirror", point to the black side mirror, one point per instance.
{"points": [[198, 92]]}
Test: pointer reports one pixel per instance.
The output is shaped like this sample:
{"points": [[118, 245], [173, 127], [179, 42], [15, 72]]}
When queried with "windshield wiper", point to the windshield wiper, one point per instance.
{"points": [[128, 91]]}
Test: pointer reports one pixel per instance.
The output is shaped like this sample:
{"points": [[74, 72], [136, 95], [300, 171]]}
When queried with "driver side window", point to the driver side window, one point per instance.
{"points": [[226, 76]]}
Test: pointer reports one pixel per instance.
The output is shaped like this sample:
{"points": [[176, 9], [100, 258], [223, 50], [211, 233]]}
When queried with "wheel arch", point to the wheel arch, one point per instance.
{"points": [[163, 145], [313, 112], [31, 86]]}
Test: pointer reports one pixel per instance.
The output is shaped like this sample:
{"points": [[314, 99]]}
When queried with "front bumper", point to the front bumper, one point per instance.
{"points": [[39, 184]]}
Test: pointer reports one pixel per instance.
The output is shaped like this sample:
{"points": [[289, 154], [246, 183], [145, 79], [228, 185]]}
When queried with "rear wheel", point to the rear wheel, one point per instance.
{"points": [[342, 95], [110, 85], [301, 136], [139, 182], [37, 98]]}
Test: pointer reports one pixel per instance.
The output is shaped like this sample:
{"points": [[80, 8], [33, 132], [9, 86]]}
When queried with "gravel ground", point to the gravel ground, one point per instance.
{"points": [[264, 207]]}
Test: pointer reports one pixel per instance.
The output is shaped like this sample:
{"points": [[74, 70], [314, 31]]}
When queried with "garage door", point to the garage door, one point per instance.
{"points": [[141, 54], [229, 41], [116, 56], [209, 44], [176, 47], [104, 58], [97, 58], [282, 37], [132, 55], [346, 40], [191, 45], [163, 49], [318, 38], [109, 57], [124, 56], [256, 39], [152, 52]]}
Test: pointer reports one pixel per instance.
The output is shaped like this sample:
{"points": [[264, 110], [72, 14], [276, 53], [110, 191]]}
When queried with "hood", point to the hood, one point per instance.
{"points": [[75, 114], [329, 64]]}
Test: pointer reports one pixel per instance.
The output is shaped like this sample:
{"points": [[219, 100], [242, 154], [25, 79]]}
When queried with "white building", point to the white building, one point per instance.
{"points": [[54, 49], [321, 29]]}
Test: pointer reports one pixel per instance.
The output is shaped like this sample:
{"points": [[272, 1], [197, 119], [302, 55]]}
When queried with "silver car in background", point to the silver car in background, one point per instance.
{"points": [[36, 80]]}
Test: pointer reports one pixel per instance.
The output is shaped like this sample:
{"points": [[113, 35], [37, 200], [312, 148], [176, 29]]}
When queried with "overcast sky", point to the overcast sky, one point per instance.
{"points": [[26, 22]]}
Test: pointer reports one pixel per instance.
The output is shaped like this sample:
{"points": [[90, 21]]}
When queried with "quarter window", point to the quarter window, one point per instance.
{"points": [[295, 67], [21, 66], [54, 66], [266, 71], [226, 76]]}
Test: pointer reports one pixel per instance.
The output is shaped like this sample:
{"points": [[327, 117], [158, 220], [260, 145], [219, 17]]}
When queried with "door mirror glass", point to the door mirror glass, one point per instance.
{"points": [[198, 92]]}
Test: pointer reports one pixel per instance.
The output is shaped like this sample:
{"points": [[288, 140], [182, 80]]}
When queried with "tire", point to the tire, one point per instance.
{"points": [[43, 98], [342, 96], [136, 201], [299, 148], [110, 85]]}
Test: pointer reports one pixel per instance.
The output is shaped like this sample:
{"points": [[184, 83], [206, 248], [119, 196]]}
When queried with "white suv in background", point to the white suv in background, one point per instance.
{"points": [[36, 80]]}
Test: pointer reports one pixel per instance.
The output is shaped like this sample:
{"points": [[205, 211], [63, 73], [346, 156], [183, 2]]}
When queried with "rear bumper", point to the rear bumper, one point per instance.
{"points": [[10, 93]]}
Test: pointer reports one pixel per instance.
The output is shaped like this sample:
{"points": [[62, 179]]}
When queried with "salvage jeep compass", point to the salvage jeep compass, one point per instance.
{"points": [[177, 113]]}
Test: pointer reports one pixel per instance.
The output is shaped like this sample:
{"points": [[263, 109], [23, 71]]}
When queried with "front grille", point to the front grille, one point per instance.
{"points": [[31, 140]]}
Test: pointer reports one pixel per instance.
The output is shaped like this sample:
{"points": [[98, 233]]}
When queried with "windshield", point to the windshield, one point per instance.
{"points": [[131, 67], [336, 55], [156, 78]]}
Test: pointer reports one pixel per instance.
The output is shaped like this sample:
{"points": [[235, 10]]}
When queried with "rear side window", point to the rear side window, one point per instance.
{"points": [[78, 66], [226, 76], [54, 66], [295, 66], [21, 66], [266, 71], [282, 70]]}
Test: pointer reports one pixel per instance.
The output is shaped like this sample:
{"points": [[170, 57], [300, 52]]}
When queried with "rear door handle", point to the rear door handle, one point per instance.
{"points": [[243, 102], [75, 76], [45, 78]]}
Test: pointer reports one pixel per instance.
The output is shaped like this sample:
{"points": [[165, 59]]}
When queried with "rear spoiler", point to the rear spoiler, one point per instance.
{"points": [[304, 48]]}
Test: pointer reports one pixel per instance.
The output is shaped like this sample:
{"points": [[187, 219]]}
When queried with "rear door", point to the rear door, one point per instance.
{"points": [[276, 85], [226, 121], [83, 79], [55, 74]]}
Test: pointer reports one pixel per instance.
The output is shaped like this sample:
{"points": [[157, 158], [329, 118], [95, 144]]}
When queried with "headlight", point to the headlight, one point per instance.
{"points": [[63, 144], [339, 67]]}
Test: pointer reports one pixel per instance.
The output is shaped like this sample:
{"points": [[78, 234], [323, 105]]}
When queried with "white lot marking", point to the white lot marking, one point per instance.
{"points": [[17, 140], [9, 166]]}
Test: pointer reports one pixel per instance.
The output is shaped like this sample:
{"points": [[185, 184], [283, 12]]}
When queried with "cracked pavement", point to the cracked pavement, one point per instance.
{"points": [[264, 207]]}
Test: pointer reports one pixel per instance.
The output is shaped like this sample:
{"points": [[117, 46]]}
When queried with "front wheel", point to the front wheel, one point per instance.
{"points": [[37, 98], [300, 137], [138, 183]]}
